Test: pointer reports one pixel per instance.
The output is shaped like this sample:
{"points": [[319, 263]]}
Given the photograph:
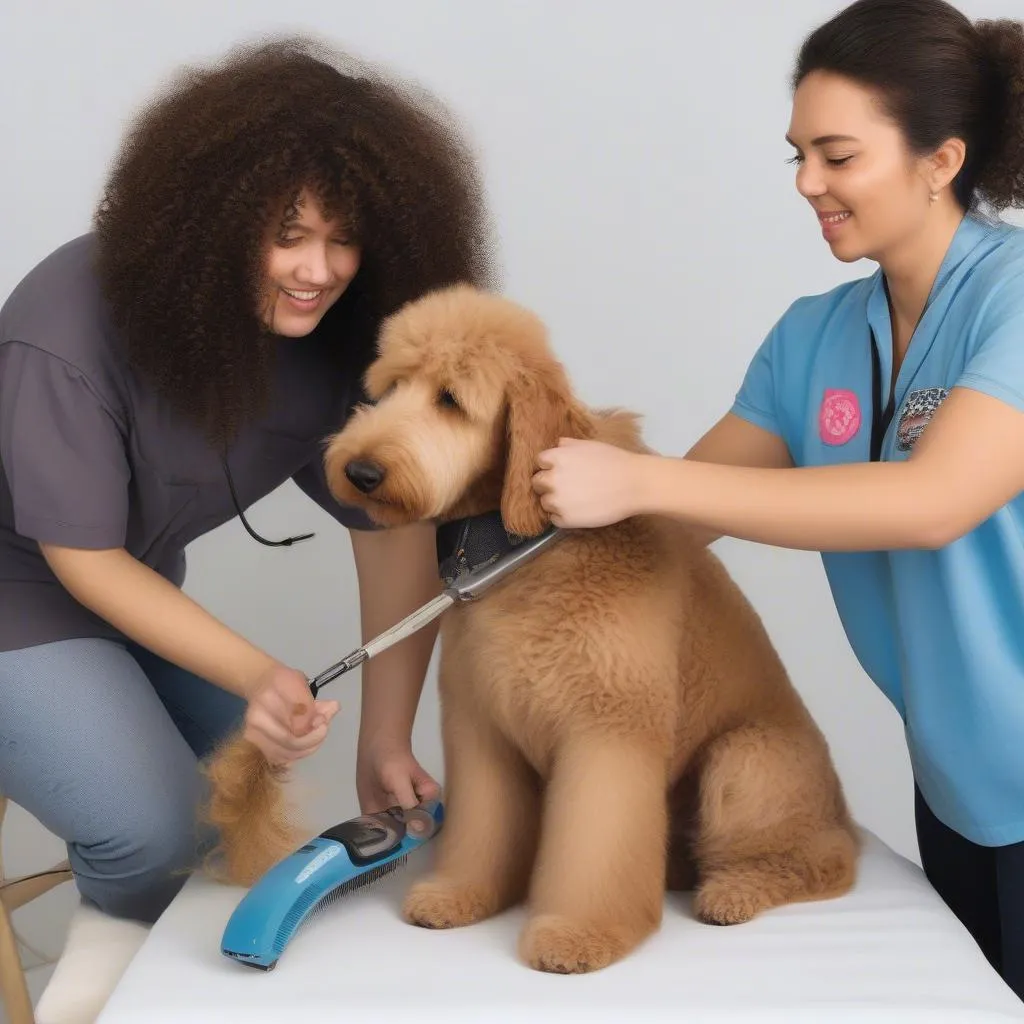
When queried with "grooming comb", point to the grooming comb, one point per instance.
{"points": [[350, 856]]}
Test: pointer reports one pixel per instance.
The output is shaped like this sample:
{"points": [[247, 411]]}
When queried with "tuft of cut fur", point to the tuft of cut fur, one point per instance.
{"points": [[248, 808], [615, 719]]}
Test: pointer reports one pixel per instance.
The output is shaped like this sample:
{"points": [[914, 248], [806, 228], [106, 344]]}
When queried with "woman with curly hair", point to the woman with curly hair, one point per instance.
{"points": [[157, 376], [882, 423]]}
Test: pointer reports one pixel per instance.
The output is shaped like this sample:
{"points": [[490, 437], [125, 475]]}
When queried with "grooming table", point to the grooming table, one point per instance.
{"points": [[889, 951]]}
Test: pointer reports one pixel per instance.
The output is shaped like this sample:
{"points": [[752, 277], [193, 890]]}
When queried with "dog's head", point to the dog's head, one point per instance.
{"points": [[466, 393]]}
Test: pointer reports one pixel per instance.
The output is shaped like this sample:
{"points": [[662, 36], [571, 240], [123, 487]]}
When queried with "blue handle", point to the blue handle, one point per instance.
{"points": [[271, 912]]}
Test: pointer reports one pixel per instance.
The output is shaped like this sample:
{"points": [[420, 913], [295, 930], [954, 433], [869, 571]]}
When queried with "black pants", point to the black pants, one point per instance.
{"points": [[982, 885]]}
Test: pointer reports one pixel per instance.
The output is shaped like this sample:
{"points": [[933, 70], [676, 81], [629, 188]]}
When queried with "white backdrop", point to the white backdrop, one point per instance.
{"points": [[634, 154]]}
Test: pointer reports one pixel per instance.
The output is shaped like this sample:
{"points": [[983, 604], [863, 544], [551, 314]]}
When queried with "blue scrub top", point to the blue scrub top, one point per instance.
{"points": [[941, 632]]}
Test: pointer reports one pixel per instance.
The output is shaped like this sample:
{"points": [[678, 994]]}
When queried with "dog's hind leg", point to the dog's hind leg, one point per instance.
{"points": [[599, 882], [485, 850], [773, 825]]}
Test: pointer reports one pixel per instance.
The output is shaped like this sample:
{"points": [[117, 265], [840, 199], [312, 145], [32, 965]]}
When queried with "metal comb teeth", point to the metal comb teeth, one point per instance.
{"points": [[363, 881], [368, 878]]}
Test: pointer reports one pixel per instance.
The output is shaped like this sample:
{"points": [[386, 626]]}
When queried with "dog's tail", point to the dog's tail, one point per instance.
{"points": [[248, 809]]}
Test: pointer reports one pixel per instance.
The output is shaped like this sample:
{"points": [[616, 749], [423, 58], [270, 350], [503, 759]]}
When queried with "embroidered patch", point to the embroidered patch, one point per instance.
{"points": [[917, 411], [839, 416]]}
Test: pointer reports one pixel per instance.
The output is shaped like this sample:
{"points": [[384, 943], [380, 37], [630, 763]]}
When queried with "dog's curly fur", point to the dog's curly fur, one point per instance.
{"points": [[615, 718], [249, 812]]}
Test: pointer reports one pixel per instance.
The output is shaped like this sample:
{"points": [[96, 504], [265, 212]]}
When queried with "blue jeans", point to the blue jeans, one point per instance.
{"points": [[101, 742]]}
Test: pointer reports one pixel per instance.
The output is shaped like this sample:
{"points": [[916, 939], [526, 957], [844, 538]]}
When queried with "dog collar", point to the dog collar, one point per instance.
{"points": [[464, 545]]}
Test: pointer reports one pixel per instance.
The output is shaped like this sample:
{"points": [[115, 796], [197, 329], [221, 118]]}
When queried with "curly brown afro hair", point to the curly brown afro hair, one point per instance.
{"points": [[206, 169], [940, 76]]}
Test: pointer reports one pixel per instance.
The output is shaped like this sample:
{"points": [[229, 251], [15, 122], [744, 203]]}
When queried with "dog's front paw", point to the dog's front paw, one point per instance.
{"points": [[438, 903], [725, 901], [561, 946]]}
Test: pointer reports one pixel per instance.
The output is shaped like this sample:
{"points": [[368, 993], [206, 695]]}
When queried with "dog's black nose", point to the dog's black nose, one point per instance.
{"points": [[364, 475]]}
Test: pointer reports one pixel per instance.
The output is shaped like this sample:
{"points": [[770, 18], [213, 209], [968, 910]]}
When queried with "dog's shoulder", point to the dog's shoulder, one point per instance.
{"points": [[635, 553], [618, 427]]}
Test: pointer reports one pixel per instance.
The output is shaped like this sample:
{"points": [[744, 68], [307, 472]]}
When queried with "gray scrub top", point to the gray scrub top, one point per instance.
{"points": [[91, 458]]}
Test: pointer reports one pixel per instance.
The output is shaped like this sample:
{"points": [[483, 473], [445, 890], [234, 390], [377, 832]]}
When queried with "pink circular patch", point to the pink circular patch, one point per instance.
{"points": [[839, 417]]}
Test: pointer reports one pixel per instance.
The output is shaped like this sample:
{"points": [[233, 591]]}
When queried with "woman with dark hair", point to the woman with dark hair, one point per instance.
{"points": [[158, 376], [882, 423]]}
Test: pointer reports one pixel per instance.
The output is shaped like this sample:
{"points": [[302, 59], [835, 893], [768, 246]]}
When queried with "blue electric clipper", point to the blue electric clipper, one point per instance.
{"points": [[352, 854]]}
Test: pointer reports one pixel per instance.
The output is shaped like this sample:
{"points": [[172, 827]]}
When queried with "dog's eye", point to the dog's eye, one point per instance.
{"points": [[446, 399]]}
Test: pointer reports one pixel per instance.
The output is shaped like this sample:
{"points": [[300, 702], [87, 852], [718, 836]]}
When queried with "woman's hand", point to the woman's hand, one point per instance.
{"points": [[283, 719], [388, 775], [589, 483]]}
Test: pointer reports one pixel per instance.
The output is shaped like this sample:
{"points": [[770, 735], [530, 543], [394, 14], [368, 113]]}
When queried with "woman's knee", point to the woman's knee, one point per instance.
{"points": [[145, 854], [88, 748]]}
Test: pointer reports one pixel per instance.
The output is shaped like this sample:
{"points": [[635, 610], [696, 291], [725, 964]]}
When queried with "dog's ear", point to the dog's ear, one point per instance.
{"points": [[376, 380], [540, 410]]}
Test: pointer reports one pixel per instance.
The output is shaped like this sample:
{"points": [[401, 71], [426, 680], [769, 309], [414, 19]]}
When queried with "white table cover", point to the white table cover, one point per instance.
{"points": [[889, 951]]}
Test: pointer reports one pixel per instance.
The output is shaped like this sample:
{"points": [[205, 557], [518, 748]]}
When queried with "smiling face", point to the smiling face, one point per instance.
{"points": [[870, 193], [309, 261]]}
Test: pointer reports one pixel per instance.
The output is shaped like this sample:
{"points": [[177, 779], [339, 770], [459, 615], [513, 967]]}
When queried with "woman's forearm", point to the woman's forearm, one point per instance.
{"points": [[397, 573], [857, 507], [156, 614], [392, 686], [734, 441]]}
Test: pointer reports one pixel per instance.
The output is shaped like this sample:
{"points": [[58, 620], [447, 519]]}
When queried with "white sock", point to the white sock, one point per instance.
{"points": [[97, 950]]}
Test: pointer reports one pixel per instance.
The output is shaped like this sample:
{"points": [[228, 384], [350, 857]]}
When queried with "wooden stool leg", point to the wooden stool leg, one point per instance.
{"points": [[16, 997], [13, 988]]}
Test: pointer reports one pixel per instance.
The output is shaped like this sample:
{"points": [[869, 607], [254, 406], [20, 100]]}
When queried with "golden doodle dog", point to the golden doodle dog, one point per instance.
{"points": [[615, 719]]}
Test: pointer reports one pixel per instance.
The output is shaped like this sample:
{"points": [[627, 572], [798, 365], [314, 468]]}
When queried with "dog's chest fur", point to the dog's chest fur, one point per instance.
{"points": [[579, 639]]}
